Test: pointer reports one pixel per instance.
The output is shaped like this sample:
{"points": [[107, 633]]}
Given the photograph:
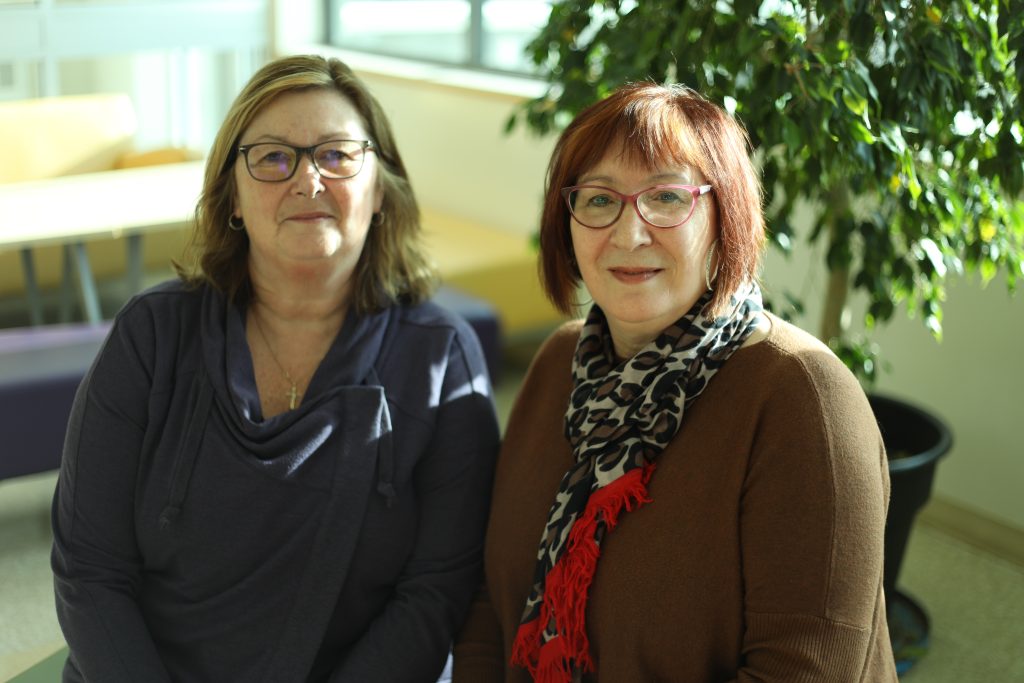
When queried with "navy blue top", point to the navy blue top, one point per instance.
{"points": [[341, 541]]}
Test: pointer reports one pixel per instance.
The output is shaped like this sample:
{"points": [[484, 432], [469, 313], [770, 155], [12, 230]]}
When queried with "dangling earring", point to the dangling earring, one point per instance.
{"points": [[378, 218], [708, 277], [236, 223]]}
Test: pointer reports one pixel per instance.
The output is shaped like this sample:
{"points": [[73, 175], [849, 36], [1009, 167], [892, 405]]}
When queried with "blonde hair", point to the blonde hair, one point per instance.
{"points": [[392, 268]]}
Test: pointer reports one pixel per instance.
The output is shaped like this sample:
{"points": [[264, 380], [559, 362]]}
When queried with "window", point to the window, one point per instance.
{"points": [[482, 34]]}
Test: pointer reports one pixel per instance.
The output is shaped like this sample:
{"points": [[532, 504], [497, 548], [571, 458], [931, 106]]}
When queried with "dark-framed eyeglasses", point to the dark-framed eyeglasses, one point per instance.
{"points": [[275, 162], [661, 206]]}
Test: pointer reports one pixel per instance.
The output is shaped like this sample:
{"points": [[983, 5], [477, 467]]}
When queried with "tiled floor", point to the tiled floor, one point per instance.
{"points": [[976, 604], [28, 624]]}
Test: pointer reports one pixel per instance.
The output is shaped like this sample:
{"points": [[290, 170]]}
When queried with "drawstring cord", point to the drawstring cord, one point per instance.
{"points": [[185, 461]]}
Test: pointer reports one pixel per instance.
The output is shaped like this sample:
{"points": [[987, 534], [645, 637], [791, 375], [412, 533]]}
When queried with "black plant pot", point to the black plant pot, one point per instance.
{"points": [[914, 440]]}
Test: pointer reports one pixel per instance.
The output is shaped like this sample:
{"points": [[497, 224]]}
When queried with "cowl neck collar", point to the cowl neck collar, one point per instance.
{"points": [[349, 362]]}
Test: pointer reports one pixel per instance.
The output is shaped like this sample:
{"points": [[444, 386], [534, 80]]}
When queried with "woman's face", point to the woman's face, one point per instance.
{"points": [[644, 278], [307, 222]]}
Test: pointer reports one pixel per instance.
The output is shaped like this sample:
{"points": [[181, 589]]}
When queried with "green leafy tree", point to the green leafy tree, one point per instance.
{"points": [[898, 121]]}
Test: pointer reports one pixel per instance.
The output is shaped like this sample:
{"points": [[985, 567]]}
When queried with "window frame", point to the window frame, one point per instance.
{"points": [[475, 37]]}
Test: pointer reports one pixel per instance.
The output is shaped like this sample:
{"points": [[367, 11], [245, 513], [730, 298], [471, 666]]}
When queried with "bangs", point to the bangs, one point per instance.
{"points": [[646, 132]]}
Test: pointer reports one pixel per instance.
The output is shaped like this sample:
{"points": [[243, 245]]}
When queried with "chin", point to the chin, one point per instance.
{"points": [[324, 245], [643, 313], [632, 315]]}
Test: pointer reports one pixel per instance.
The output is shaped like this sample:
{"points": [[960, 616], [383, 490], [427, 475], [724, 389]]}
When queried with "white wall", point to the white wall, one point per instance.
{"points": [[460, 162], [974, 379]]}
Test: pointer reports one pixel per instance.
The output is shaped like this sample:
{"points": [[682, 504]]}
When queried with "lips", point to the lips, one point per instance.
{"points": [[633, 274], [310, 216]]}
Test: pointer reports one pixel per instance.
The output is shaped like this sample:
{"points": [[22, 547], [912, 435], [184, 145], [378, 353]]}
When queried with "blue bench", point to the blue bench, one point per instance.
{"points": [[41, 368], [483, 318]]}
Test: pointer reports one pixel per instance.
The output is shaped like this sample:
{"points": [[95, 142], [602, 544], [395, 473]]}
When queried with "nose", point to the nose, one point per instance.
{"points": [[629, 232], [307, 180]]}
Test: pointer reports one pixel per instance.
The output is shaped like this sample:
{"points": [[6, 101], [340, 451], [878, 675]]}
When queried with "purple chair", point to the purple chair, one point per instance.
{"points": [[40, 369], [482, 317]]}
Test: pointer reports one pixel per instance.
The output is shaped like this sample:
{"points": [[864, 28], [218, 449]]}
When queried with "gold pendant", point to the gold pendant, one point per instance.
{"points": [[292, 395]]}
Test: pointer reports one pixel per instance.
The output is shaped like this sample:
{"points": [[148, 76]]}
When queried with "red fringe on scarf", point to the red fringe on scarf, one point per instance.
{"points": [[567, 585]]}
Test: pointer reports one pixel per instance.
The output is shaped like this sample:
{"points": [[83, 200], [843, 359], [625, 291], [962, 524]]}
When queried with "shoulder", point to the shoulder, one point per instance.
{"points": [[429, 341], [429, 325], [165, 311], [432, 316], [550, 371], [534, 430], [148, 340], [804, 388], [156, 326], [430, 358], [795, 356], [167, 303], [560, 346]]}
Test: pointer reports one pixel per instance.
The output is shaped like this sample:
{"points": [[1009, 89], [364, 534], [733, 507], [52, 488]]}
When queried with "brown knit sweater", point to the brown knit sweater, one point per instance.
{"points": [[760, 555]]}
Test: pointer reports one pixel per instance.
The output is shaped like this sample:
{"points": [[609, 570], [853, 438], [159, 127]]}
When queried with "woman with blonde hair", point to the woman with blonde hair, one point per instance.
{"points": [[278, 468]]}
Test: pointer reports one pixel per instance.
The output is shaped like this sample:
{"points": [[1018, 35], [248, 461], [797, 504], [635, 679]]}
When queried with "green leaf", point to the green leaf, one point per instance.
{"points": [[861, 133], [858, 105], [934, 256], [988, 271]]}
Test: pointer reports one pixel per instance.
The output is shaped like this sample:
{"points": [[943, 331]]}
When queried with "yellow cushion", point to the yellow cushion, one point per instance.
{"points": [[493, 264], [55, 136], [155, 157]]}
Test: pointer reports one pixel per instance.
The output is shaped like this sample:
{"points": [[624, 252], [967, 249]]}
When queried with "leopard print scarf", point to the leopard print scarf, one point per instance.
{"points": [[619, 419]]}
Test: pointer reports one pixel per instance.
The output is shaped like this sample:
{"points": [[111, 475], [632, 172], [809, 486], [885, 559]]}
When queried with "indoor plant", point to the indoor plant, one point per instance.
{"points": [[898, 122]]}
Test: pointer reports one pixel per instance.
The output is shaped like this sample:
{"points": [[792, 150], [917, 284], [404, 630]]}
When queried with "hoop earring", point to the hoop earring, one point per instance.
{"points": [[236, 223], [378, 218], [708, 277]]}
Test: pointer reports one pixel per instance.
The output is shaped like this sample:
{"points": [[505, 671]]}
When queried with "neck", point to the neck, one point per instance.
{"points": [[309, 296], [628, 339], [624, 350], [290, 327]]}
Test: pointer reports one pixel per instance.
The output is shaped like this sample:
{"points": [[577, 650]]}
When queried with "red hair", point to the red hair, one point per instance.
{"points": [[657, 126]]}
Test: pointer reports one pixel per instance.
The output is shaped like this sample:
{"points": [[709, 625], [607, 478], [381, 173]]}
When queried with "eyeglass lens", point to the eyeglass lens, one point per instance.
{"points": [[333, 159], [661, 206]]}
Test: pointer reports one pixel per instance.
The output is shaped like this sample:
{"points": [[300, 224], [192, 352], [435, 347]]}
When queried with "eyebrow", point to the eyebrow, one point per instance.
{"points": [[657, 178], [267, 137]]}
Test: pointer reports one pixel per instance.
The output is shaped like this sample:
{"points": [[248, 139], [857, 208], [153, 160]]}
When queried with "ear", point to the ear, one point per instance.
{"points": [[378, 196], [232, 180]]}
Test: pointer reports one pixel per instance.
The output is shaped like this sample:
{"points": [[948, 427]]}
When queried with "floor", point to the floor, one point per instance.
{"points": [[975, 600]]}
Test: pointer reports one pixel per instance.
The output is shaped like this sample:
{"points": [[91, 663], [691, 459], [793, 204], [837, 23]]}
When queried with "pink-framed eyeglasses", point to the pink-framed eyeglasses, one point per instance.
{"points": [[660, 206]]}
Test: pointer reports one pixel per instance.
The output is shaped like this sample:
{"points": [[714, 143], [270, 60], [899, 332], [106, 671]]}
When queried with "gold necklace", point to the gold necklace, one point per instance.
{"points": [[293, 392]]}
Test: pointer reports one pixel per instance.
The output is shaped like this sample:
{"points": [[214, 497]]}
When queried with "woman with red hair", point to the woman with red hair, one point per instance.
{"points": [[690, 489]]}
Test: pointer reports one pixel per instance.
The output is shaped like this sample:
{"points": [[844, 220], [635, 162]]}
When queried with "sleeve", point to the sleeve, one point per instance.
{"points": [[479, 655], [411, 638], [812, 523], [95, 558]]}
